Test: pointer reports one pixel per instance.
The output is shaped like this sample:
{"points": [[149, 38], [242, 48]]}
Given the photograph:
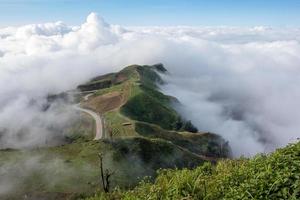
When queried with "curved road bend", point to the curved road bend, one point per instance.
{"points": [[99, 122]]}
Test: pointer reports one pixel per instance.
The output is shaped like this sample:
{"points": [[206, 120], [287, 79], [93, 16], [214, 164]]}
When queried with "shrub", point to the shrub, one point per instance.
{"points": [[274, 176]]}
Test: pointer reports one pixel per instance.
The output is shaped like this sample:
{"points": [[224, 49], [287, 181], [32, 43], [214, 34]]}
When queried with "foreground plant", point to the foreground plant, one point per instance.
{"points": [[274, 176]]}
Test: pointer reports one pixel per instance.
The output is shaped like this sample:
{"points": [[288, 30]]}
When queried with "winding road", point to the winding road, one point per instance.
{"points": [[97, 117]]}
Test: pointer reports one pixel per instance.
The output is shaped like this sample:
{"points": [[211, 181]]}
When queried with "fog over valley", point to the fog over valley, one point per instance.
{"points": [[239, 82]]}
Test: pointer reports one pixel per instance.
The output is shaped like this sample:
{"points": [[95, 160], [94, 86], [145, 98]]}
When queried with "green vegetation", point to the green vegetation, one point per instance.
{"points": [[69, 170], [134, 158], [142, 100], [154, 153], [152, 106], [274, 176], [64, 171], [146, 131], [206, 144], [143, 134], [95, 85], [145, 108], [116, 128], [72, 171], [83, 130]]}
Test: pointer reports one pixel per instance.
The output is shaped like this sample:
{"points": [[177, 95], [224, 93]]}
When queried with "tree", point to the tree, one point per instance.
{"points": [[104, 176], [188, 126]]}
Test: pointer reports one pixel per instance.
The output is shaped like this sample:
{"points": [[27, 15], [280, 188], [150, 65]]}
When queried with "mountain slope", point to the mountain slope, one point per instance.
{"points": [[274, 176], [133, 106], [143, 133]]}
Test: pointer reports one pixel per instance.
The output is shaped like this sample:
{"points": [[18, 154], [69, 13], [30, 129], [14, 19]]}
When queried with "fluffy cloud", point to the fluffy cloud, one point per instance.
{"points": [[238, 82], [248, 93]]}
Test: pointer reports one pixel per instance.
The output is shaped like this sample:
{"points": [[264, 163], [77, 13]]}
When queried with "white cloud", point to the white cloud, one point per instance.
{"points": [[238, 82]]}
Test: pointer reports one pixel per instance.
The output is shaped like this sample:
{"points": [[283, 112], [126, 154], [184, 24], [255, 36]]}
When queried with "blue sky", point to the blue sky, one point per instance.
{"points": [[155, 12]]}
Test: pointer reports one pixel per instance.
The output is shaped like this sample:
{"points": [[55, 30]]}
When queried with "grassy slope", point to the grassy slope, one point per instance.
{"points": [[150, 118], [202, 143], [71, 171], [54, 172], [148, 113], [151, 115], [131, 151], [274, 176], [148, 104]]}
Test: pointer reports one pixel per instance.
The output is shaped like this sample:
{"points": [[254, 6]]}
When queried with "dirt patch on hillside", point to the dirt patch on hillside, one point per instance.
{"points": [[120, 78], [104, 102]]}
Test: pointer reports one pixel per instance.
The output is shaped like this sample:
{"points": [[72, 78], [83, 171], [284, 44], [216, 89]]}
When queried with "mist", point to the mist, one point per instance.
{"points": [[239, 82]]}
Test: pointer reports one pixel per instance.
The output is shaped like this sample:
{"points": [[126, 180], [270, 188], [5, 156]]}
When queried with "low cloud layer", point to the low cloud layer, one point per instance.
{"points": [[241, 83]]}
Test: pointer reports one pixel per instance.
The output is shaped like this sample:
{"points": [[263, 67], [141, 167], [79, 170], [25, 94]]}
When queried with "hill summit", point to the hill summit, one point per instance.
{"points": [[125, 118], [133, 105]]}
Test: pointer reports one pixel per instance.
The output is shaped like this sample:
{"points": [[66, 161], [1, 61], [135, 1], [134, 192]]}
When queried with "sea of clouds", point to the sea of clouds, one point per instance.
{"points": [[240, 82]]}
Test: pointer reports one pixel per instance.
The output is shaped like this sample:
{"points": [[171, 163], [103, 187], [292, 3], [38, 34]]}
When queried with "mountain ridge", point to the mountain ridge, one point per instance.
{"points": [[143, 133]]}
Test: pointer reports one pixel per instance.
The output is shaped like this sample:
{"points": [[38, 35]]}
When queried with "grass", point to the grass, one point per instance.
{"points": [[115, 88], [147, 104], [202, 143], [65, 170], [141, 141], [83, 130], [138, 157], [142, 101], [95, 85], [145, 108], [274, 176], [73, 170], [115, 125], [54, 172]]}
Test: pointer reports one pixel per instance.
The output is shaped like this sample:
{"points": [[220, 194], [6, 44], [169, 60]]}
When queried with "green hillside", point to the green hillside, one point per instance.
{"points": [[143, 133], [264, 177]]}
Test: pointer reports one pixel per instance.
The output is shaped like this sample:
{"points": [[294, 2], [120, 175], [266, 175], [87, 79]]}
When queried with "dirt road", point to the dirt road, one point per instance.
{"points": [[97, 117]]}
